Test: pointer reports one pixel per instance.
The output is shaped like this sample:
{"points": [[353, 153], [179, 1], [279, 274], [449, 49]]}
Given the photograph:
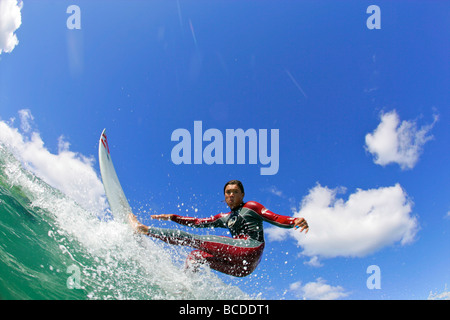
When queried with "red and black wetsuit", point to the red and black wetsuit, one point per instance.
{"points": [[237, 256]]}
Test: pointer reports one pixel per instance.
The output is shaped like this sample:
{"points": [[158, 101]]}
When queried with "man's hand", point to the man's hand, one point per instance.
{"points": [[301, 223], [163, 216]]}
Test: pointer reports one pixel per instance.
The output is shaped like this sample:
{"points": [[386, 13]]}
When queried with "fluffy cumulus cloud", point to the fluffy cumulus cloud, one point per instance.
{"points": [[317, 290], [368, 221], [68, 171], [395, 142], [10, 21]]}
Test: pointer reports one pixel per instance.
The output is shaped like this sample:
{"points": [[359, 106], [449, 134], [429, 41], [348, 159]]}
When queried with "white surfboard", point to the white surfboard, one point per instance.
{"points": [[114, 192]]}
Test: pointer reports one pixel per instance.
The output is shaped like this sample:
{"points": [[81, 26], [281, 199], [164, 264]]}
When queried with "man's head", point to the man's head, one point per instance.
{"points": [[234, 193]]}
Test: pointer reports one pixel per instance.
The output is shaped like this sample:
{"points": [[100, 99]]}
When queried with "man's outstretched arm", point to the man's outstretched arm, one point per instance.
{"points": [[210, 222], [276, 219]]}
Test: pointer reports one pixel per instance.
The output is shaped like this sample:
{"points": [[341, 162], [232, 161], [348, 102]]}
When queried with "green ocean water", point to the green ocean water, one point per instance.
{"points": [[52, 248]]}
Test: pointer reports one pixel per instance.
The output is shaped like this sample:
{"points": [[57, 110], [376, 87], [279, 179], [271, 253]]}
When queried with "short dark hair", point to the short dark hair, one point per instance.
{"points": [[236, 182]]}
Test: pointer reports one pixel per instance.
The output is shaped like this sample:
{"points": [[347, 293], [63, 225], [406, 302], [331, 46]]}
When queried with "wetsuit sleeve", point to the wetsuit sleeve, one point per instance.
{"points": [[217, 221], [269, 216]]}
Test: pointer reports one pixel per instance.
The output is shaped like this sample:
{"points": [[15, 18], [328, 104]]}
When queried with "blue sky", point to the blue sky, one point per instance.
{"points": [[362, 117]]}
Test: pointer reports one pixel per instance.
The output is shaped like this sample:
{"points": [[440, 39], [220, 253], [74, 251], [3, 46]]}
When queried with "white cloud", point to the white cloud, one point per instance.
{"points": [[318, 290], [445, 295], [314, 262], [10, 21], [368, 221], [26, 119], [69, 172], [392, 142], [274, 190]]}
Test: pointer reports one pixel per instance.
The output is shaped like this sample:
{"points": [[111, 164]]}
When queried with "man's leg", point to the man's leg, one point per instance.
{"points": [[237, 257]]}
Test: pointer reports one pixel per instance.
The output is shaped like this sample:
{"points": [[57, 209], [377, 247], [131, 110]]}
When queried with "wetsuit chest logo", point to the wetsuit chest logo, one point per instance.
{"points": [[231, 221]]}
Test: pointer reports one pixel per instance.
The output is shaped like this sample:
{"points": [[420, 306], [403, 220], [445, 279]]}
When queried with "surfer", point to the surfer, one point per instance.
{"points": [[238, 255]]}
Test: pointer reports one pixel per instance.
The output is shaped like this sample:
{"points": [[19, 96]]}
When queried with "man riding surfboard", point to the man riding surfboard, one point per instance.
{"points": [[238, 255]]}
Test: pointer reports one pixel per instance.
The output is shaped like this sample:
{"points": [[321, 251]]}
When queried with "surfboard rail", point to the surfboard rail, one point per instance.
{"points": [[117, 200]]}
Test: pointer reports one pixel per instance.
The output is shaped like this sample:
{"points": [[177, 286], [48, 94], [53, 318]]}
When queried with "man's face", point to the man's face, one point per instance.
{"points": [[233, 196]]}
